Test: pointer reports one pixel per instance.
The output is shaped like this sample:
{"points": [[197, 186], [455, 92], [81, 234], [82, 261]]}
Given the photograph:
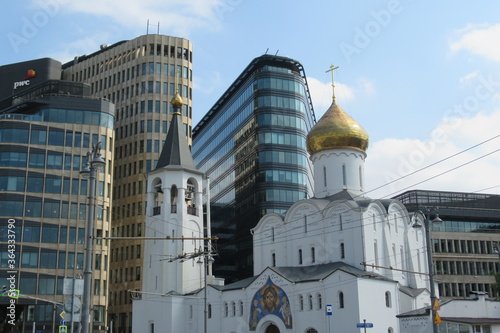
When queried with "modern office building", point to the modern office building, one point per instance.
{"points": [[46, 128], [140, 77], [252, 146], [465, 245]]}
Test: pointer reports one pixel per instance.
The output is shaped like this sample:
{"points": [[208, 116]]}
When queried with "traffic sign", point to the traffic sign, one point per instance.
{"points": [[329, 310], [63, 329], [62, 322], [364, 325]]}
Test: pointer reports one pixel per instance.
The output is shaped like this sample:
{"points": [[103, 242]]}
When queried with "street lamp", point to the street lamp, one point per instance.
{"points": [[93, 164], [427, 221]]}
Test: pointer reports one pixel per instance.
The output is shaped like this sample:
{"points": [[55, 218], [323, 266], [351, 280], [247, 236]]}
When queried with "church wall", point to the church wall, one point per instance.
{"points": [[377, 307]]}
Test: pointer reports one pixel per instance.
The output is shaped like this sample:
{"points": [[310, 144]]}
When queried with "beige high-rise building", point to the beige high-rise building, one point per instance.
{"points": [[140, 76]]}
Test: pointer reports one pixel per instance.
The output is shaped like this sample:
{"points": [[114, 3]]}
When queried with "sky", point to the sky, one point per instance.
{"points": [[422, 77]]}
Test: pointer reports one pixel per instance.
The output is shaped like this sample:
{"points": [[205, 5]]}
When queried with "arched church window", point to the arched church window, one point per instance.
{"points": [[360, 177], [301, 303], [241, 308], [310, 302], [300, 256], [342, 251], [190, 197], [311, 330], [324, 175], [344, 176], [226, 309], [387, 299], [273, 258], [173, 199], [233, 309], [341, 300], [320, 301], [313, 254]]}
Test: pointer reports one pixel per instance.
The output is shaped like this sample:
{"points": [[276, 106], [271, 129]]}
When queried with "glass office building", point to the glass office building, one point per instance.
{"points": [[251, 144], [465, 246], [45, 133]]}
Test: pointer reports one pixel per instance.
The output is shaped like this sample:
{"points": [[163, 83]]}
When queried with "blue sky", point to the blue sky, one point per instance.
{"points": [[422, 77]]}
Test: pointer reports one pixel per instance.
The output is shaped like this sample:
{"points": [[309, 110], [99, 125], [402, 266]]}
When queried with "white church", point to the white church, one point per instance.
{"points": [[332, 263]]}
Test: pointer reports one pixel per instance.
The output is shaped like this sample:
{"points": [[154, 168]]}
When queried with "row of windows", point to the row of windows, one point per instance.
{"points": [[127, 231], [151, 106], [50, 259], [271, 119], [148, 88], [463, 246], [125, 275], [466, 267], [128, 211], [279, 84], [282, 139], [465, 289], [468, 226], [150, 68], [284, 176], [297, 159], [52, 137], [122, 253], [49, 209], [280, 102], [141, 51], [67, 116], [129, 189]]}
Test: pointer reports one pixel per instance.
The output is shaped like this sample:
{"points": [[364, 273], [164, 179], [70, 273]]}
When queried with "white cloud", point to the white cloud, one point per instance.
{"points": [[468, 78], [178, 17], [392, 159], [480, 40]]}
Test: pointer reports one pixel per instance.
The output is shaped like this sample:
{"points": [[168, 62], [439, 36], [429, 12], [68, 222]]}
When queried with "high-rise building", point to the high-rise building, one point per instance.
{"points": [[46, 128], [251, 144], [140, 76], [465, 246]]}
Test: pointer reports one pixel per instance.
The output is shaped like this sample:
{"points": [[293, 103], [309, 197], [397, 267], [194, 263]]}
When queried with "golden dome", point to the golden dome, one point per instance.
{"points": [[176, 101], [336, 129]]}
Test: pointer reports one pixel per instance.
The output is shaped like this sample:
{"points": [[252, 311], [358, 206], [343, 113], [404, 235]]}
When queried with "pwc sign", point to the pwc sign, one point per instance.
{"points": [[25, 82]]}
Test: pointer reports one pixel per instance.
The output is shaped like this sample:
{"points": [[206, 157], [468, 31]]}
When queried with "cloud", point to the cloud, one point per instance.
{"points": [[175, 16], [391, 159], [480, 40]]}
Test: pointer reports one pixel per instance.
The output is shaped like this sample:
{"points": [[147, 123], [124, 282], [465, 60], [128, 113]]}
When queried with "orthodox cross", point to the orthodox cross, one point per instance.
{"points": [[332, 69]]}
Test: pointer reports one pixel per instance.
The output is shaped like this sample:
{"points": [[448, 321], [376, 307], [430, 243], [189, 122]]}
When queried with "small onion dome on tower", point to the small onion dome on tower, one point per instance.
{"points": [[336, 130], [176, 101]]}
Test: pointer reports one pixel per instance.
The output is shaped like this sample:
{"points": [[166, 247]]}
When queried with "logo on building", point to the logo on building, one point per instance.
{"points": [[26, 82]]}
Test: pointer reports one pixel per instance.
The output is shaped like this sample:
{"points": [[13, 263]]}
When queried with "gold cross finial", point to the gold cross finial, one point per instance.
{"points": [[332, 69]]}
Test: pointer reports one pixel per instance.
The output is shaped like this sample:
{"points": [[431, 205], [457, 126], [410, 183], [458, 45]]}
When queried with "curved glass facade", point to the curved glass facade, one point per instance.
{"points": [[252, 146], [43, 202]]}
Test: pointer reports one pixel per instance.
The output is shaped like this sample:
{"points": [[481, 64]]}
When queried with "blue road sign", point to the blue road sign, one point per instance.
{"points": [[63, 322], [329, 310], [364, 325]]}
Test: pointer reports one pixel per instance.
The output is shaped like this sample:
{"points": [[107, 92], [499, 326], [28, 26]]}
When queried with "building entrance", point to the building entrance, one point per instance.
{"points": [[272, 329]]}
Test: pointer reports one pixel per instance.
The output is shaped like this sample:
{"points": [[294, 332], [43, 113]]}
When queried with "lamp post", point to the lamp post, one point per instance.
{"points": [[427, 221], [93, 164]]}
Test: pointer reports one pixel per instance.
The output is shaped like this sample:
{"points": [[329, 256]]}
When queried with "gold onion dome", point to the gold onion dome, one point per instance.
{"points": [[336, 129], [176, 101]]}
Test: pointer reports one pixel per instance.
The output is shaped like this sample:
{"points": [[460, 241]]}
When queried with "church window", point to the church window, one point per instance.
{"points": [[340, 222], [311, 330], [300, 256], [324, 175], [173, 199], [388, 299], [310, 302], [344, 176], [342, 251], [360, 177], [190, 312], [226, 309], [301, 303], [341, 300], [374, 221], [395, 224], [390, 330], [151, 327], [320, 301], [305, 224], [313, 255], [241, 308], [375, 252], [209, 310], [273, 259], [233, 309]]}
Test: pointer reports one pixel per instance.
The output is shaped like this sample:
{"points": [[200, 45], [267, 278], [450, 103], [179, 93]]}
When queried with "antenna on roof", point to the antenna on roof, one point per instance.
{"points": [[266, 51], [157, 28], [277, 52]]}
